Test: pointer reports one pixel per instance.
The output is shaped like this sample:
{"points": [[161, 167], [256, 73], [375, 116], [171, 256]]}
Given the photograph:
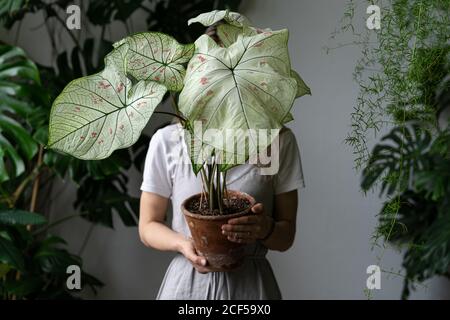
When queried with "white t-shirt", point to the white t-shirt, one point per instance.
{"points": [[167, 175]]}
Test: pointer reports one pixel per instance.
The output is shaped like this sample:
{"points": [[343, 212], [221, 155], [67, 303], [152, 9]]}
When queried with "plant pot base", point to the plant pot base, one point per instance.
{"points": [[224, 262], [221, 253]]}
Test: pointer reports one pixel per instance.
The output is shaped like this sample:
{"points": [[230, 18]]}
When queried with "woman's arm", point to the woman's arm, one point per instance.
{"points": [[285, 216], [249, 229], [155, 234]]}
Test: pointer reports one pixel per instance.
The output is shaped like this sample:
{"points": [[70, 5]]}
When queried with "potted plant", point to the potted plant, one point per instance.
{"points": [[231, 88], [404, 80]]}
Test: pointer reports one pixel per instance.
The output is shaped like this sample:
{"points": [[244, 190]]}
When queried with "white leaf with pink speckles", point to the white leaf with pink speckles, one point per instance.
{"points": [[209, 18], [98, 114], [247, 85], [158, 57], [228, 34]]}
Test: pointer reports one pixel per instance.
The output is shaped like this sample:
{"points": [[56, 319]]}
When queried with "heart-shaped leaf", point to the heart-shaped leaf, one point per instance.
{"points": [[98, 114], [209, 18], [247, 86], [228, 34], [158, 57]]}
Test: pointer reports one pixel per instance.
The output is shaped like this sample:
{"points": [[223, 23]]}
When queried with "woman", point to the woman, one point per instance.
{"points": [[167, 178]]}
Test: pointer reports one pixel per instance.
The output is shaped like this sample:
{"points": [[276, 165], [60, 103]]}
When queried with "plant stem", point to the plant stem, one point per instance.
{"points": [[86, 239], [212, 189], [16, 39], [204, 184], [59, 221], [175, 106], [174, 102], [224, 184], [172, 114], [218, 189], [35, 191], [23, 184]]}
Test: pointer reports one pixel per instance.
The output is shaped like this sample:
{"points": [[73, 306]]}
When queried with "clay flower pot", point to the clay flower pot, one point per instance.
{"points": [[221, 254]]}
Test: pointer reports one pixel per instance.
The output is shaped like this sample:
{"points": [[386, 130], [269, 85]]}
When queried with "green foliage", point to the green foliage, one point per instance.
{"points": [[29, 266], [19, 80], [33, 262], [36, 269], [98, 200], [400, 68], [231, 89], [396, 161], [20, 217], [404, 82], [417, 178]]}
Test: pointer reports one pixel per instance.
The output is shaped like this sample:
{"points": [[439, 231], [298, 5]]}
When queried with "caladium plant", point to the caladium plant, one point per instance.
{"points": [[242, 83]]}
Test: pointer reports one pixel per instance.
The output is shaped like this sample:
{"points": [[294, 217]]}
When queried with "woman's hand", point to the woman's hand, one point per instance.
{"points": [[249, 229], [187, 249]]}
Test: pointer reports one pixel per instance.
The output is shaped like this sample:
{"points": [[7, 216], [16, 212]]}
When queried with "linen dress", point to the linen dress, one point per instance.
{"points": [[167, 175]]}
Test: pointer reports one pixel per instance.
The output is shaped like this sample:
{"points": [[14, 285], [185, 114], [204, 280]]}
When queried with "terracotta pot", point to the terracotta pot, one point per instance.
{"points": [[221, 254]]}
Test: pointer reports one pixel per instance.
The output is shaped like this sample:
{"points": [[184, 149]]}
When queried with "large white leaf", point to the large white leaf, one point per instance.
{"points": [[247, 85], [98, 114], [228, 34], [209, 18], [302, 89], [158, 57]]}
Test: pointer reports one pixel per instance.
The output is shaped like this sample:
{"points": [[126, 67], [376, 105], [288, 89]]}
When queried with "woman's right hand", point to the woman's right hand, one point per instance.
{"points": [[187, 249]]}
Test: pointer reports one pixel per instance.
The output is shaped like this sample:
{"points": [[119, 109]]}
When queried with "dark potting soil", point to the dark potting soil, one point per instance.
{"points": [[231, 205]]}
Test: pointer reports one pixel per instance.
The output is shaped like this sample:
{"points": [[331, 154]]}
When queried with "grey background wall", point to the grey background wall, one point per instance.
{"points": [[333, 245]]}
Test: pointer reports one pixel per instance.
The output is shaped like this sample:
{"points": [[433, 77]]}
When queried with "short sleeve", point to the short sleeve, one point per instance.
{"points": [[290, 172], [157, 177]]}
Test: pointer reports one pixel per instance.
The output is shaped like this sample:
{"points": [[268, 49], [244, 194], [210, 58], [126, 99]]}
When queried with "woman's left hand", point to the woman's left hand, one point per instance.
{"points": [[248, 229]]}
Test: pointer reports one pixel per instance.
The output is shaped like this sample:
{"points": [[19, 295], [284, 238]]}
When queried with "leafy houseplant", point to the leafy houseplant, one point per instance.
{"points": [[33, 261], [227, 86], [404, 84], [32, 264]]}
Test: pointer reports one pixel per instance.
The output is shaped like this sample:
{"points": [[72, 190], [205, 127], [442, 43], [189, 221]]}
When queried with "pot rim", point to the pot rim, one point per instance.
{"points": [[217, 217]]}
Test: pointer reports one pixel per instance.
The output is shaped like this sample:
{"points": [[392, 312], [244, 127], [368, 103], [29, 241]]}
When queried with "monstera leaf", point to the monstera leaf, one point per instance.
{"points": [[209, 18], [247, 86], [97, 114], [19, 78], [158, 57]]}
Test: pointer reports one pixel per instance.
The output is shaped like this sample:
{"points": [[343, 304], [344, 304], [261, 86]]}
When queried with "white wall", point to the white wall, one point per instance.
{"points": [[333, 245]]}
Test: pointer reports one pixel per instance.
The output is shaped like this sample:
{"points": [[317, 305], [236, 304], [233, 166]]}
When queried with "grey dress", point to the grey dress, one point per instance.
{"points": [[169, 177]]}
